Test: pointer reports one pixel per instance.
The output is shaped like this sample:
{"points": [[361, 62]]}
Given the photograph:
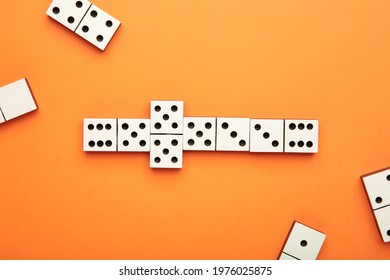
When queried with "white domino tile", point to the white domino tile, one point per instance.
{"points": [[68, 12], [133, 135], [233, 134], [303, 243], [301, 136], [267, 135], [166, 117], [98, 27], [285, 257], [166, 151], [377, 186], [16, 100], [100, 135], [199, 133]]}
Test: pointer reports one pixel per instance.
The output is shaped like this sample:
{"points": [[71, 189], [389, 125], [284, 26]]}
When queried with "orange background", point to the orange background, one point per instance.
{"points": [[327, 60]]}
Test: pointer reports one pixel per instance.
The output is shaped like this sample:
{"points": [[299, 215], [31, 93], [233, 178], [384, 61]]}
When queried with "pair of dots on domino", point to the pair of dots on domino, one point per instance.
{"points": [[85, 19], [16, 99]]}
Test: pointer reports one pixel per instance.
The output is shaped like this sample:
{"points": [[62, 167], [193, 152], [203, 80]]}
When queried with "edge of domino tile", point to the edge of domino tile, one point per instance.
{"points": [[374, 172], [32, 93], [288, 235], [369, 202]]}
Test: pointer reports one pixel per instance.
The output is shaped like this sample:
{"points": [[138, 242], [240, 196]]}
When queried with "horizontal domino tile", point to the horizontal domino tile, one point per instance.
{"points": [[85, 19]]}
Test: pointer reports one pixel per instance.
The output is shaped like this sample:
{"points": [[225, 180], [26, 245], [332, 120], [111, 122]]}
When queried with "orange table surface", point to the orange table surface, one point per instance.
{"points": [[326, 60]]}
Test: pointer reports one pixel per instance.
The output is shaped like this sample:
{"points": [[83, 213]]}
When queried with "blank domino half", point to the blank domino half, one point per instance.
{"points": [[303, 243], [377, 186], [16, 100]]}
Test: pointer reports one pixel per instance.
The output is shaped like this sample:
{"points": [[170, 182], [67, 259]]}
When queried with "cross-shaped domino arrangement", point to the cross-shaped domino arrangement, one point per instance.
{"points": [[377, 186], [167, 133], [303, 243], [15, 100], [86, 20]]}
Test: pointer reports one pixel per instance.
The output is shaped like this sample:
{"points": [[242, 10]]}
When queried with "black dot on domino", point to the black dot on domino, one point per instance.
{"points": [[275, 143], [100, 143], [79, 4], [191, 125], [108, 143], [303, 243], [99, 126], [85, 29], [125, 126], [233, 134], [125, 143], [207, 125], [257, 127], [378, 200], [142, 126], [142, 143], [71, 19], [157, 125], [94, 14], [225, 125], [174, 159], [157, 160], [207, 142], [99, 38], [266, 135], [134, 134], [56, 10], [91, 144], [157, 142], [174, 142], [242, 143], [191, 142], [109, 23], [199, 133], [165, 151], [91, 126]]}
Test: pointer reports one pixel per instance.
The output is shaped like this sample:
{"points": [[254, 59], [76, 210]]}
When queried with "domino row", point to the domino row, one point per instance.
{"points": [[86, 20], [167, 133]]}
